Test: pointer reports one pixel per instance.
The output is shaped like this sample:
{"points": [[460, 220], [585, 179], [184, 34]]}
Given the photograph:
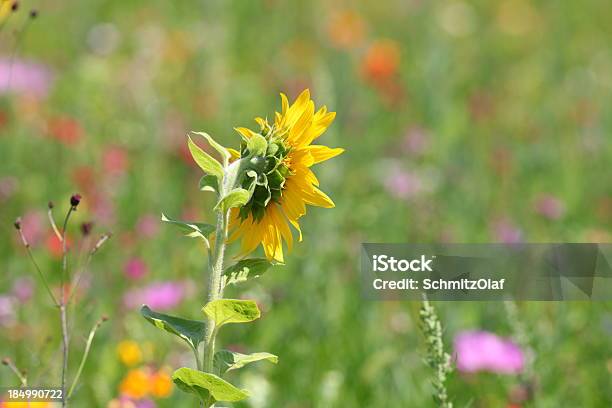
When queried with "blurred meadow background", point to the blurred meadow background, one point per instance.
{"points": [[462, 122]]}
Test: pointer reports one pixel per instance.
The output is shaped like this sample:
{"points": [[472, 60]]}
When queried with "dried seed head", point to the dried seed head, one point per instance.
{"points": [[17, 223], [50, 205], [33, 13], [15, 6], [6, 361]]}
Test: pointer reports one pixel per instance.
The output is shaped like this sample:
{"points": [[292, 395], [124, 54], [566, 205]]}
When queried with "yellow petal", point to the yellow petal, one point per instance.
{"points": [[321, 153]]}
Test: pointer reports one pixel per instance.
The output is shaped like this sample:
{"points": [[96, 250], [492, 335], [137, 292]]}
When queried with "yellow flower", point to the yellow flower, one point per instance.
{"points": [[135, 384], [5, 10], [161, 384], [288, 184], [129, 352]]}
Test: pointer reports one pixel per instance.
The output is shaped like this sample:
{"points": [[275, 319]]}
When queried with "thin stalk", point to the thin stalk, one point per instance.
{"points": [[21, 376], [63, 316], [90, 338], [38, 270]]}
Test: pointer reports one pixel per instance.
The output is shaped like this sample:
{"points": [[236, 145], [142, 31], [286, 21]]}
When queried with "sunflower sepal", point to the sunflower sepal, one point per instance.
{"points": [[235, 198]]}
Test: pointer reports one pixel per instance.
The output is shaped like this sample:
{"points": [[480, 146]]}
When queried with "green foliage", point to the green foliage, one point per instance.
{"points": [[245, 269], [225, 311], [192, 331], [205, 385], [205, 161], [209, 182], [235, 198], [225, 154], [256, 145], [192, 229], [226, 360]]}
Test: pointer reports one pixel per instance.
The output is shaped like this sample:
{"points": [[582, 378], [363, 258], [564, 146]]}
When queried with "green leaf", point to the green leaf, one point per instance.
{"points": [[225, 154], [224, 311], [204, 384], [192, 331], [205, 161], [245, 269], [192, 229], [235, 198], [257, 145], [226, 360], [209, 182]]}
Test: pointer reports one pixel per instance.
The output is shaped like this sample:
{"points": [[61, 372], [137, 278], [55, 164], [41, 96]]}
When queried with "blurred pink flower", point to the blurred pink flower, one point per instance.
{"points": [[147, 225], [159, 295], [7, 310], [135, 268], [23, 288], [115, 160], [403, 184], [505, 231], [416, 141], [23, 77], [32, 224], [549, 206], [8, 186], [484, 351]]}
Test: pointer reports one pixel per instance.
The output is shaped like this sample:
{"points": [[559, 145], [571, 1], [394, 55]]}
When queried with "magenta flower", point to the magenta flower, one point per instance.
{"points": [[159, 295], [135, 268], [22, 77], [484, 351]]}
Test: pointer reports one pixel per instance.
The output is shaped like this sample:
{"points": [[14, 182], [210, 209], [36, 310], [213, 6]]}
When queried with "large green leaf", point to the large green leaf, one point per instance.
{"points": [[192, 331], [226, 360], [204, 384], [225, 154], [235, 198], [205, 160], [224, 311], [245, 269]]}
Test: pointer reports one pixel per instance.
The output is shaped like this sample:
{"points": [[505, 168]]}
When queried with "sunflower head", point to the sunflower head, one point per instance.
{"points": [[276, 160]]}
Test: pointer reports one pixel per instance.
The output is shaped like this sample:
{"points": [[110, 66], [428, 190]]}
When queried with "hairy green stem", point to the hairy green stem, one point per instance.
{"points": [[215, 291]]}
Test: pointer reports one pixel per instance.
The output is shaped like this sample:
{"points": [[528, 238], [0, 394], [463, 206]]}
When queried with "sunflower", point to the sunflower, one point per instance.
{"points": [[286, 184]]}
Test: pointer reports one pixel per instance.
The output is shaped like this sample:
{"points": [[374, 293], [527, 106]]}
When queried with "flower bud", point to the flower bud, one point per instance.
{"points": [[75, 200]]}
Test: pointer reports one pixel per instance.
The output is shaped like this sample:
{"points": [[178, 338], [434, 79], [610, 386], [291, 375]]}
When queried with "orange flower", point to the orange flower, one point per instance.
{"points": [[135, 384], [25, 405], [161, 384], [381, 61]]}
